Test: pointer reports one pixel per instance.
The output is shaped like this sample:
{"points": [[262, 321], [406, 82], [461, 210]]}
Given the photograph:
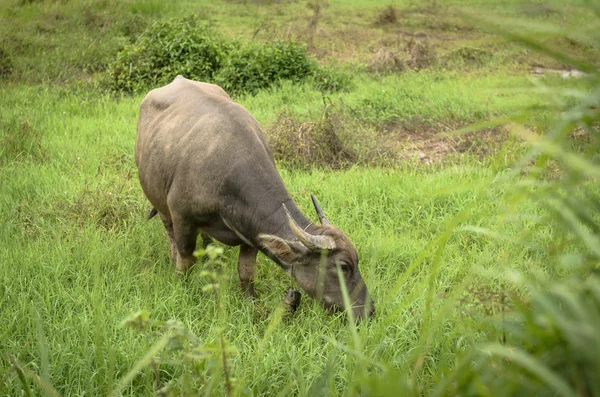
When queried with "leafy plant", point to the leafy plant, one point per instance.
{"points": [[179, 46], [190, 48], [249, 69]]}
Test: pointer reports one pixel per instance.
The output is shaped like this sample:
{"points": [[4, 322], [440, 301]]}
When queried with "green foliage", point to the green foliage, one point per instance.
{"points": [[190, 48], [185, 47], [254, 67], [204, 364]]}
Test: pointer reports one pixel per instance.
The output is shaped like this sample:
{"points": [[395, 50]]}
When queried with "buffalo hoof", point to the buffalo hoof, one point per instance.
{"points": [[292, 299], [248, 289]]}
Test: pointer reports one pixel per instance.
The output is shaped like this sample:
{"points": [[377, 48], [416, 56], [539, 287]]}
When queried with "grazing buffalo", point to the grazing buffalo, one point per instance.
{"points": [[206, 167]]}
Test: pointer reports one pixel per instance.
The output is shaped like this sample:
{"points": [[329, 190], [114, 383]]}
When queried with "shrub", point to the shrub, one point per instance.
{"points": [[187, 47], [190, 48], [249, 69]]}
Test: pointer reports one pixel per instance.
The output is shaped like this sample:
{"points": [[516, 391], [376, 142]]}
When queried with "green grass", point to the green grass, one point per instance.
{"points": [[79, 256], [429, 97], [441, 245]]}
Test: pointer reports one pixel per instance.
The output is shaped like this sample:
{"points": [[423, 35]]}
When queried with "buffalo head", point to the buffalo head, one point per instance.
{"points": [[313, 259]]}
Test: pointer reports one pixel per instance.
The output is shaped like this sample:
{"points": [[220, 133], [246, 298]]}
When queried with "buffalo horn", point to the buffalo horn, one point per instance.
{"points": [[320, 213], [313, 243]]}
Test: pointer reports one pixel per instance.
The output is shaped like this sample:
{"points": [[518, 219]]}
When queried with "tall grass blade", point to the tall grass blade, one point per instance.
{"points": [[142, 363], [43, 347], [23, 372], [21, 376], [349, 312], [287, 389]]}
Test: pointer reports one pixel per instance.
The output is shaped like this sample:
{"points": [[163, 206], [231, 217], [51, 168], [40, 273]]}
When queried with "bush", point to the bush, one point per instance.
{"points": [[249, 69], [187, 47], [190, 48]]}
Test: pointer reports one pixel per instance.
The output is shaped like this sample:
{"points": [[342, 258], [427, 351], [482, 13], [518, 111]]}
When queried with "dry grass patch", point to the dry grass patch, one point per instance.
{"points": [[341, 139], [337, 141], [412, 54]]}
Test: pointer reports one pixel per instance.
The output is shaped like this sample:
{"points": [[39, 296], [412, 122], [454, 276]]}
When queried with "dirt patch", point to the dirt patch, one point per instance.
{"points": [[431, 143], [539, 71]]}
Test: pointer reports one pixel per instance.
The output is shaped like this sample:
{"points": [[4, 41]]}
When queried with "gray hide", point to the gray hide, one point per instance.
{"points": [[206, 167]]}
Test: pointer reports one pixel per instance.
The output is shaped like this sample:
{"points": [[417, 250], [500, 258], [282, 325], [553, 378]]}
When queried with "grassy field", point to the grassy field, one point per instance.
{"points": [[454, 233]]}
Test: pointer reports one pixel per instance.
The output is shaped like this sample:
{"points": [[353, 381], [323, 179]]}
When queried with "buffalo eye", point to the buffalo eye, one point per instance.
{"points": [[346, 268]]}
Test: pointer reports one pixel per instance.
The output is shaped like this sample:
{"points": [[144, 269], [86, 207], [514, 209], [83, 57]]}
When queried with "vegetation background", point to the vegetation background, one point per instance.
{"points": [[455, 142]]}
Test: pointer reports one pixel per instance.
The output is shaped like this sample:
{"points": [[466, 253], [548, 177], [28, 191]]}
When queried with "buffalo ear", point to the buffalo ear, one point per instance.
{"points": [[288, 252]]}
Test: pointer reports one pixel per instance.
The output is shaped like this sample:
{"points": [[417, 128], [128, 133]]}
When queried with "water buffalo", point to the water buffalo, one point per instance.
{"points": [[206, 167]]}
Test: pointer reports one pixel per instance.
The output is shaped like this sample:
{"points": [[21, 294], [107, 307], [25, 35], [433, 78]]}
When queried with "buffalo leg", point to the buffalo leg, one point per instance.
{"points": [[185, 235], [169, 226], [205, 240], [246, 262]]}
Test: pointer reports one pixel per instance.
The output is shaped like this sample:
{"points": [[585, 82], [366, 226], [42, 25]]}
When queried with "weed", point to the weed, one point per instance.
{"points": [[386, 61], [421, 54], [19, 141], [387, 16], [313, 22], [109, 206]]}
